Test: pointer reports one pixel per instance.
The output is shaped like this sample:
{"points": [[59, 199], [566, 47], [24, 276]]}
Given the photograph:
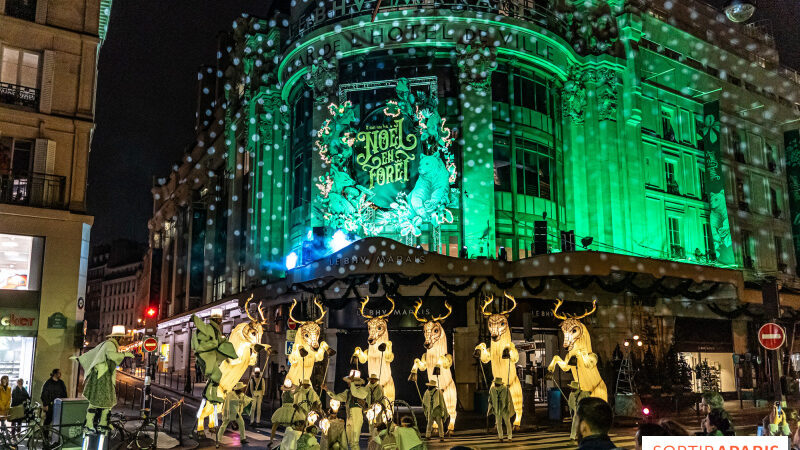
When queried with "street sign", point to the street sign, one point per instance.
{"points": [[771, 336], [150, 344], [291, 324], [288, 348]]}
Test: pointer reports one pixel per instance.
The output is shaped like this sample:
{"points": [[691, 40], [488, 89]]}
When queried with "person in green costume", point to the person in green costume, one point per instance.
{"points": [[501, 405], [435, 409], [355, 400], [100, 366], [407, 436], [308, 440], [305, 399], [232, 409], [211, 348], [284, 415]]}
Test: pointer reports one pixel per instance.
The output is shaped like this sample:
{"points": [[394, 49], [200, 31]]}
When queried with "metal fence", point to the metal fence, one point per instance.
{"points": [[32, 189], [14, 94]]}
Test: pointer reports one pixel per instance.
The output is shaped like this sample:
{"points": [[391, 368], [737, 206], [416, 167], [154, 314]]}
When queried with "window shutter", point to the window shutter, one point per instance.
{"points": [[46, 93], [2, 6], [44, 156], [41, 11]]}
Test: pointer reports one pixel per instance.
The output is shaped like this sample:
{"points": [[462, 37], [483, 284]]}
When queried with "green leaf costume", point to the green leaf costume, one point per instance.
{"points": [[100, 366], [211, 348], [500, 402], [433, 404]]}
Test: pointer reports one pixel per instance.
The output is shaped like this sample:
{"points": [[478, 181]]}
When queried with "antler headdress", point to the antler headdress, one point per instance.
{"points": [[260, 311], [490, 298], [383, 316], [560, 302], [301, 322], [418, 305]]}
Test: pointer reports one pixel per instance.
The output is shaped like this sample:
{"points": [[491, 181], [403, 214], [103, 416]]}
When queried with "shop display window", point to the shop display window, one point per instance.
{"points": [[20, 262]]}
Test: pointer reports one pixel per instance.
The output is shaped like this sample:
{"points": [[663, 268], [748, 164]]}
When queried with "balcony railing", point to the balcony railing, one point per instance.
{"points": [[536, 11], [14, 94], [32, 189]]}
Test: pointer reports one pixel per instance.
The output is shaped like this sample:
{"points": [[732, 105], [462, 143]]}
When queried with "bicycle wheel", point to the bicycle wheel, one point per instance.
{"points": [[45, 439], [142, 440]]}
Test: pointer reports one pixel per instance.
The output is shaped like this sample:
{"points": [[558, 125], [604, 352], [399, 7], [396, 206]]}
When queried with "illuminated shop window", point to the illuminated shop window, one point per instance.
{"points": [[20, 262]]}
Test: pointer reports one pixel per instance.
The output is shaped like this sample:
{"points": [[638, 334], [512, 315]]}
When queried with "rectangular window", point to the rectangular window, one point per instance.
{"points": [[20, 67], [531, 94], [747, 254], [502, 164], [671, 181], [668, 125], [21, 262], [675, 243], [701, 177], [21, 9], [774, 199], [737, 147], [709, 241], [779, 251], [533, 169], [500, 87]]}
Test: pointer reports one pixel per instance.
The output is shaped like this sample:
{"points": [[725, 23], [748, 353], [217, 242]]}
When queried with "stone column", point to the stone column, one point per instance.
{"points": [[476, 63], [323, 79]]}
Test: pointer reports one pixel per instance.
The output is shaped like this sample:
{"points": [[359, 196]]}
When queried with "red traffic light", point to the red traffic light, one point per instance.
{"points": [[151, 312], [646, 411]]}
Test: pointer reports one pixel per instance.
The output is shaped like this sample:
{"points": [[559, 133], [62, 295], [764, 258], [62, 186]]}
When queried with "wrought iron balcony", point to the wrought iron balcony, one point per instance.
{"points": [[14, 94], [32, 189]]}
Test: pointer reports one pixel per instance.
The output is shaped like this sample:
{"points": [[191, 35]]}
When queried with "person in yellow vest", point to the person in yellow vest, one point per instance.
{"points": [[5, 397], [232, 408], [501, 405], [435, 409], [256, 388]]}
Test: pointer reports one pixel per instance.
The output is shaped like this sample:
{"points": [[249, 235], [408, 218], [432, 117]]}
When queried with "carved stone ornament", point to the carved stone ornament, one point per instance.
{"points": [[605, 80], [476, 62], [322, 79], [573, 95]]}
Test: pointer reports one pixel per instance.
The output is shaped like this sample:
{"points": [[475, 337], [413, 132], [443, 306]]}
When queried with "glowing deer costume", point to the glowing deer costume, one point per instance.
{"points": [[436, 355], [308, 343], [579, 344], [501, 340], [379, 362], [246, 340]]}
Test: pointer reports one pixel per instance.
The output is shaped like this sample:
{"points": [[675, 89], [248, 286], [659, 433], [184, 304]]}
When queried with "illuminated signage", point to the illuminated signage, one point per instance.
{"points": [[387, 152], [13, 320]]}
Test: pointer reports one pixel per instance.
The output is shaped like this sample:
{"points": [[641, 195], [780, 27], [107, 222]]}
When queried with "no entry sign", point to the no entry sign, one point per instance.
{"points": [[150, 344], [771, 336]]}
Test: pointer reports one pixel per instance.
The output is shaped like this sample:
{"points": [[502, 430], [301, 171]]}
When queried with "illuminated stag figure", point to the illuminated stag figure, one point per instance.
{"points": [[379, 362], [579, 344], [436, 355], [307, 347], [246, 340], [504, 368]]}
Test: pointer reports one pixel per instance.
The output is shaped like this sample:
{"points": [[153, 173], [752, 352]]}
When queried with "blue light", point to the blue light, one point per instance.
{"points": [[339, 241], [291, 261], [310, 235]]}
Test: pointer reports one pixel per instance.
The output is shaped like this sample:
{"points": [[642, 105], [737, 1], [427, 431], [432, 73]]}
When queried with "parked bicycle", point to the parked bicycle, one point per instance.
{"points": [[33, 433], [145, 436]]}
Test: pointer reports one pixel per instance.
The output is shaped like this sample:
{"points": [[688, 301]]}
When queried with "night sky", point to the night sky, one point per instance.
{"points": [[147, 86]]}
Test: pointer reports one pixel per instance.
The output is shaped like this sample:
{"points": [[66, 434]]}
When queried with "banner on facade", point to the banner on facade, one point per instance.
{"points": [[715, 185], [791, 142]]}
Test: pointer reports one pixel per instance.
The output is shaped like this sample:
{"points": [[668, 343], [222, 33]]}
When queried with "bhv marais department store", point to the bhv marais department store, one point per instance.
{"points": [[444, 151]]}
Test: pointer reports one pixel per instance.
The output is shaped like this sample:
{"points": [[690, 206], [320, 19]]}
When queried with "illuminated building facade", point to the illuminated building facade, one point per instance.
{"points": [[48, 78], [573, 149]]}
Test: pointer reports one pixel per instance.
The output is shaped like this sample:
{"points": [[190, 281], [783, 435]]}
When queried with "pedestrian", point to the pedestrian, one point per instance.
{"points": [[407, 436], [594, 416], [777, 422], [53, 388], [501, 405], [256, 387], [648, 429], [713, 401], [5, 398], [281, 376], [435, 410], [19, 396], [305, 399], [233, 406], [355, 401], [283, 416], [716, 424]]}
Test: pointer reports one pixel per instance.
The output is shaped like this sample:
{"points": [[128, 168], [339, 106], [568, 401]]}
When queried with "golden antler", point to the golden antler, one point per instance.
{"points": [[247, 309], [390, 311], [261, 313], [487, 302], [440, 318], [417, 306], [363, 304], [322, 310], [300, 322], [559, 302], [594, 308], [510, 297]]}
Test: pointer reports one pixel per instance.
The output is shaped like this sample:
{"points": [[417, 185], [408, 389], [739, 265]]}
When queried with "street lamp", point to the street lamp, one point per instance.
{"points": [[739, 10]]}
